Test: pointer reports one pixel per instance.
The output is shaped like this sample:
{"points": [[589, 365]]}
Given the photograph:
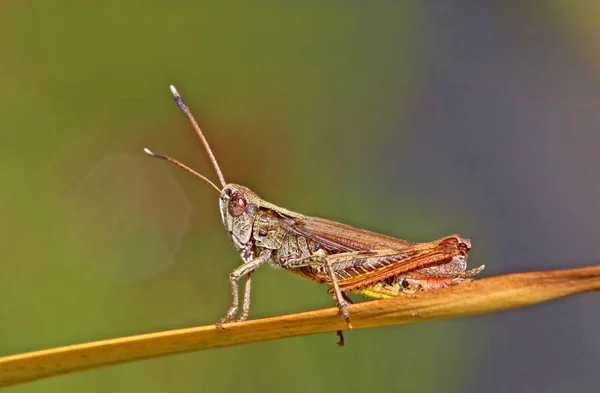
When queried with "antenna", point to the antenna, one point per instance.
{"points": [[179, 164], [189, 115]]}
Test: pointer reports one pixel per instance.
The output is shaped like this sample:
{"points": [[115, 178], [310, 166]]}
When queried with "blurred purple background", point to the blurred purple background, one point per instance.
{"points": [[519, 104]]}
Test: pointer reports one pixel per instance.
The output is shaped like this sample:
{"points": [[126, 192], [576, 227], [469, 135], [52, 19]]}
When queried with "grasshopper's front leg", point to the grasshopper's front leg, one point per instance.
{"points": [[234, 277], [321, 260]]}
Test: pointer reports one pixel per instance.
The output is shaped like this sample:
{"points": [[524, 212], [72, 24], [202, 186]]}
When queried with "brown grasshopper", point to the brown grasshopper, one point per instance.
{"points": [[345, 258]]}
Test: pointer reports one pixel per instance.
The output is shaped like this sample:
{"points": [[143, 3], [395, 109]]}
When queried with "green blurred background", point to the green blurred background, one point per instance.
{"points": [[416, 119]]}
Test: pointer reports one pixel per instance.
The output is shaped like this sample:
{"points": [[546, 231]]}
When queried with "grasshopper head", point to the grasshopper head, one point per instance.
{"points": [[238, 206]]}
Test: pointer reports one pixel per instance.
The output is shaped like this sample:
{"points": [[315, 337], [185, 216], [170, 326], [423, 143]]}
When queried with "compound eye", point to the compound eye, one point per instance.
{"points": [[237, 204]]}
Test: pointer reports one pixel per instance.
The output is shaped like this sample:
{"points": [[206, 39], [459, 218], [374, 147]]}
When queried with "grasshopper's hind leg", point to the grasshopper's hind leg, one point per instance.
{"points": [[341, 299], [320, 260], [339, 333]]}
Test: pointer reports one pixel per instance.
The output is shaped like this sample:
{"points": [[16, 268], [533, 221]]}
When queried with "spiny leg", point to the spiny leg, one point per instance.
{"points": [[339, 332], [342, 305], [470, 273], [319, 259], [234, 277]]}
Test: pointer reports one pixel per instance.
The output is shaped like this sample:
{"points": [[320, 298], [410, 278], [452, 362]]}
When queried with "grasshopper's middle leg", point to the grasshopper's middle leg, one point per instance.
{"points": [[234, 277], [322, 261]]}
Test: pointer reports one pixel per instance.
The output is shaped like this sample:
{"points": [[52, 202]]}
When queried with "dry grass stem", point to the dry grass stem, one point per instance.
{"points": [[480, 296]]}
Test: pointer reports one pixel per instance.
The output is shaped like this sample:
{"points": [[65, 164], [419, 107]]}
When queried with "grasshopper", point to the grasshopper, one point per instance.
{"points": [[345, 258]]}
